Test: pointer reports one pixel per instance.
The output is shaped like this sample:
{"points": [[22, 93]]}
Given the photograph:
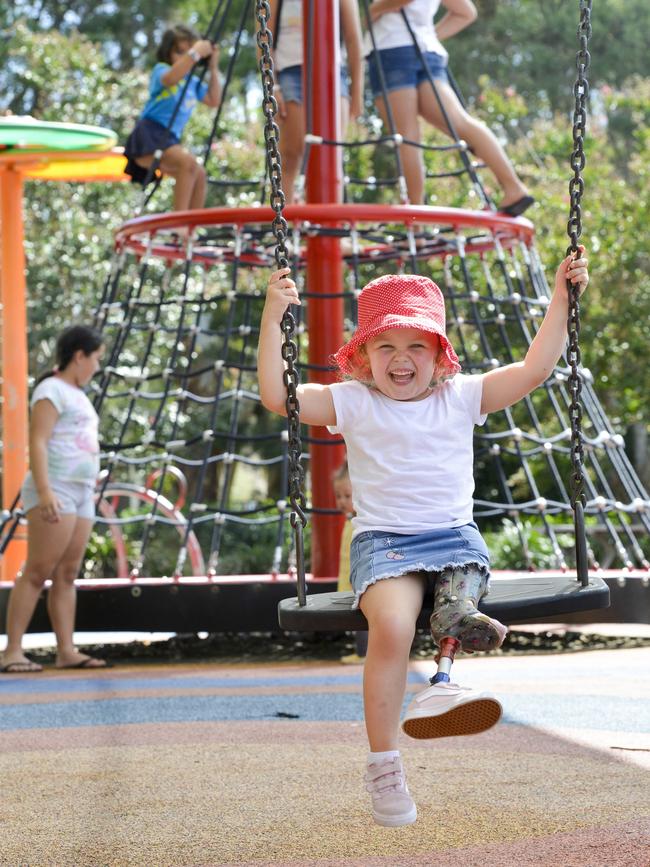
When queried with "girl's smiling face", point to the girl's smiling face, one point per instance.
{"points": [[402, 362]]}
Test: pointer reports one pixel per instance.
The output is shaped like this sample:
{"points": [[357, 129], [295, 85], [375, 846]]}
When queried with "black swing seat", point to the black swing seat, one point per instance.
{"points": [[513, 598]]}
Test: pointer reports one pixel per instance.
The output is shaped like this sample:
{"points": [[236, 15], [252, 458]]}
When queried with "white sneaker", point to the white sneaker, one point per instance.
{"points": [[446, 710], [392, 804]]}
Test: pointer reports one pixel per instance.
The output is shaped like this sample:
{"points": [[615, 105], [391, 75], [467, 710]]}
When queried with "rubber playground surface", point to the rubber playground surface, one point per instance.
{"points": [[261, 764]]}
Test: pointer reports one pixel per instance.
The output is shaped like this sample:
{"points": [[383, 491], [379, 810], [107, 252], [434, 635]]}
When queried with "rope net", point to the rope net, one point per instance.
{"points": [[195, 469]]}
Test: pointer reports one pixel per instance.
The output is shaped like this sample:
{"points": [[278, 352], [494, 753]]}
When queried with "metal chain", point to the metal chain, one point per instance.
{"points": [[288, 325], [574, 231]]}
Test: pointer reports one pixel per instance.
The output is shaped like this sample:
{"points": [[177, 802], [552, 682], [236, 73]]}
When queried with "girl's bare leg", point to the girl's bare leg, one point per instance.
{"points": [[62, 598], [404, 108], [478, 136], [46, 543], [197, 199], [391, 608], [183, 167], [292, 134], [345, 115]]}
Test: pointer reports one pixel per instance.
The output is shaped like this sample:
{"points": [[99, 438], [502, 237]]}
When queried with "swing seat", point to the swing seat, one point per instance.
{"points": [[513, 598]]}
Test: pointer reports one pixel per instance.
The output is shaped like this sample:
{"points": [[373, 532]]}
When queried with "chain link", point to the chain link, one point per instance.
{"points": [[288, 325], [574, 231]]}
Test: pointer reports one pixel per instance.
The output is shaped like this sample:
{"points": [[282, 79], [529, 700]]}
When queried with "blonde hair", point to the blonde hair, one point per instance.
{"points": [[341, 472]]}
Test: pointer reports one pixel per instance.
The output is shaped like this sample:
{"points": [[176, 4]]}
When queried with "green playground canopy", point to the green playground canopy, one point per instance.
{"points": [[30, 134]]}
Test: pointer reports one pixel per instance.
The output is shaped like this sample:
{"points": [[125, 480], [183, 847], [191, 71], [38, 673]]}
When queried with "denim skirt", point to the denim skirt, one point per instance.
{"points": [[403, 69], [375, 555], [290, 82], [147, 137]]}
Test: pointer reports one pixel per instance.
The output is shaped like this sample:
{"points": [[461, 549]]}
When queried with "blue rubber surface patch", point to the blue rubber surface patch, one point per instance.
{"points": [[553, 711]]}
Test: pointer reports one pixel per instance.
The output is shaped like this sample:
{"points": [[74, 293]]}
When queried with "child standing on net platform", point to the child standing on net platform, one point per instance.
{"points": [[407, 77], [179, 51], [407, 416], [286, 23]]}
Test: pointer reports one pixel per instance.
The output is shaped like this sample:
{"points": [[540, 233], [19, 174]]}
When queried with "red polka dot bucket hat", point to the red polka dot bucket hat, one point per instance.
{"points": [[399, 301]]}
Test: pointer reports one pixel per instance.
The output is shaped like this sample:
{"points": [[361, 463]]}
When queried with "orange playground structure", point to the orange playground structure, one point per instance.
{"points": [[33, 150]]}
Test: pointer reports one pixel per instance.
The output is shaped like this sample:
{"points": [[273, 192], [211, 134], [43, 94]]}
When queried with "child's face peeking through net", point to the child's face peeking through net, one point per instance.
{"points": [[343, 495]]}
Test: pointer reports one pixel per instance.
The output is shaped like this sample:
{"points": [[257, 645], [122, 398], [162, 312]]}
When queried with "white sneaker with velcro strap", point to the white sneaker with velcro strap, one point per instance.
{"points": [[448, 710], [392, 804]]}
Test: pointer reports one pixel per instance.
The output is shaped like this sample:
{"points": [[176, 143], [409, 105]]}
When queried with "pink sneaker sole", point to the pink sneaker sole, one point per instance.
{"points": [[396, 821], [471, 718]]}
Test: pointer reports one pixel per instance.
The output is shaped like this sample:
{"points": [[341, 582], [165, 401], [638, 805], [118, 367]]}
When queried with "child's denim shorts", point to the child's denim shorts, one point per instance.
{"points": [[375, 555], [290, 81], [402, 68], [75, 498]]}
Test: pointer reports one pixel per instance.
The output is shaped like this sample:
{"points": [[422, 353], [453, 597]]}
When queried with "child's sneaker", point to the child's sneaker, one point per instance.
{"points": [[447, 710], [392, 805]]}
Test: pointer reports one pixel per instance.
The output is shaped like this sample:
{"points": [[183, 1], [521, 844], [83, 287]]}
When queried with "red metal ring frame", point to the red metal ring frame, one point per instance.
{"points": [[178, 475], [136, 234]]}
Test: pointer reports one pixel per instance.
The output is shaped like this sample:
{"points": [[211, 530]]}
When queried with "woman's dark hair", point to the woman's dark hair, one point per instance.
{"points": [[73, 339], [170, 40]]}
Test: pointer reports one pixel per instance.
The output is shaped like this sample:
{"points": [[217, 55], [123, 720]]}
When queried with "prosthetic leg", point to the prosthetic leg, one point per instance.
{"points": [[455, 613], [446, 709]]}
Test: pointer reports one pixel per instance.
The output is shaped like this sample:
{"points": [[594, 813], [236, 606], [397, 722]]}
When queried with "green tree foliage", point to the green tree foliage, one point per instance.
{"points": [[126, 29], [531, 46], [69, 226], [616, 326]]}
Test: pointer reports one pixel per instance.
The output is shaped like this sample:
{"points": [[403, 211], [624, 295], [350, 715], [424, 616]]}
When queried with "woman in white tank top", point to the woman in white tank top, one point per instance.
{"points": [[411, 96]]}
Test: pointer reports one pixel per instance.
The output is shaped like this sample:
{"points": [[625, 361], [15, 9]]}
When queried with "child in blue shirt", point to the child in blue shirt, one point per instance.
{"points": [[180, 49]]}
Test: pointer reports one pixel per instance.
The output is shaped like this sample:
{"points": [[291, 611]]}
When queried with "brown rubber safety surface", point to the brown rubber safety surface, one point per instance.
{"points": [[469, 719], [261, 765]]}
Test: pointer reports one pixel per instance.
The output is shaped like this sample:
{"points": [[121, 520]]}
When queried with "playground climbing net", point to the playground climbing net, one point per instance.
{"points": [[194, 467], [195, 472]]}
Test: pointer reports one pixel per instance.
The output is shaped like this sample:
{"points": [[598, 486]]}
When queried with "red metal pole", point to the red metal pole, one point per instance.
{"points": [[324, 183], [14, 358]]}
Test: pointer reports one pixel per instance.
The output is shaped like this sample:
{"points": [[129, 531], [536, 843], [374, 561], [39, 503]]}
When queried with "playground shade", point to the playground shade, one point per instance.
{"points": [[28, 133], [102, 167]]}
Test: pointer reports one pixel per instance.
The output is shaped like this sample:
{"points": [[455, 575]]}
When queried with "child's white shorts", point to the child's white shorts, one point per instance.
{"points": [[75, 498]]}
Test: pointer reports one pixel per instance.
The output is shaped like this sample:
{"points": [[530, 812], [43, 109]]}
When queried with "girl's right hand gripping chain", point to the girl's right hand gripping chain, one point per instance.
{"points": [[280, 293]]}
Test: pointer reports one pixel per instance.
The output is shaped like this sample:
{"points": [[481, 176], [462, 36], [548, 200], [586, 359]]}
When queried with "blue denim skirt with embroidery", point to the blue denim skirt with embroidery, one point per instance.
{"points": [[375, 555]]}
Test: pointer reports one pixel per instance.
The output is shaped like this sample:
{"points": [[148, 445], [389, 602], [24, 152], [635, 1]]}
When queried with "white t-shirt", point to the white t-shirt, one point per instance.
{"points": [[411, 462], [73, 448], [289, 44], [390, 31]]}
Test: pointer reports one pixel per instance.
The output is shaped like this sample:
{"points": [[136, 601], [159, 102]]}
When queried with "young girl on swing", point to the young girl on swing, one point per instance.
{"points": [[407, 416]]}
